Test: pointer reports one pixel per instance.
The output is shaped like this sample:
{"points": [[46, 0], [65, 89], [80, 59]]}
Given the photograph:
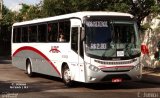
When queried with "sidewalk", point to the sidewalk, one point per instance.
{"points": [[151, 75]]}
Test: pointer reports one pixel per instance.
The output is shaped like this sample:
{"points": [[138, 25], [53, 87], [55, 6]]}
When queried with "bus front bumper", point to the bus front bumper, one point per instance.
{"points": [[100, 76]]}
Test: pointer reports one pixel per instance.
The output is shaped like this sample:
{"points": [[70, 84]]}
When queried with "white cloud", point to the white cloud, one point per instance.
{"points": [[14, 5]]}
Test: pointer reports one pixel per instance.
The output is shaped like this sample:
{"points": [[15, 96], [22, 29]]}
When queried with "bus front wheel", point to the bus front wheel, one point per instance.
{"points": [[66, 76]]}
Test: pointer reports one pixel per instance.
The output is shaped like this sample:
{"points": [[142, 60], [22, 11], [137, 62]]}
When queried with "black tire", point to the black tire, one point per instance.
{"points": [[29, 69], [66, 76]]}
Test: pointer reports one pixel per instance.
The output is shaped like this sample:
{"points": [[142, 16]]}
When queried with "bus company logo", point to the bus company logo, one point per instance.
{"points": [[54, 49]]}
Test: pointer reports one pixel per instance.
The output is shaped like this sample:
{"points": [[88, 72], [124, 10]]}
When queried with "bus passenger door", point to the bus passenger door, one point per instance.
{"points": [[75, 46]]}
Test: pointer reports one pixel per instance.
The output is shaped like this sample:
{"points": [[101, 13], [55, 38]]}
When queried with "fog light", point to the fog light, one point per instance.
{"points": [[92, 78]]}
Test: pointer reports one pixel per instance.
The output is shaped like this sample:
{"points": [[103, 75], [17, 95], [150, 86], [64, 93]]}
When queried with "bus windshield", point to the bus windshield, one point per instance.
{"points": [[112, 38]]}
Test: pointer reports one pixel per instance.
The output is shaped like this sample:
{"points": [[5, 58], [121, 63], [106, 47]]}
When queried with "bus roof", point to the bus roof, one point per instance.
{"points": [[71, 15]]}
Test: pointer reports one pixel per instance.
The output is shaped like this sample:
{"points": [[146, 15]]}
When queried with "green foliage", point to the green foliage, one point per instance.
{"points": [[57, 7], [145, 27], [156, 9], [140, 8], [24, 8], [29, 12], [6, 25], [118, 6], [7, 17]]}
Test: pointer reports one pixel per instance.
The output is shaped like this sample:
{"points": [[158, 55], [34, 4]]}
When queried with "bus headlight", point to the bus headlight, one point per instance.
{"points": [[94, 68]]}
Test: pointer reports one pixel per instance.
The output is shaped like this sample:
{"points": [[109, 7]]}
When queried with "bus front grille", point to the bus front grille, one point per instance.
{"points": [[115, 62], [117, 68]]}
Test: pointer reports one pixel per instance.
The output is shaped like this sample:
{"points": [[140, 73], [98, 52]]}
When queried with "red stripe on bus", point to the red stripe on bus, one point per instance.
{"points": [[38, 52]]}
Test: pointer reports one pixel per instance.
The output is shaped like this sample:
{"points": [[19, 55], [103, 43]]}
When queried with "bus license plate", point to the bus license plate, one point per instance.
{"points": [[115, 80]]}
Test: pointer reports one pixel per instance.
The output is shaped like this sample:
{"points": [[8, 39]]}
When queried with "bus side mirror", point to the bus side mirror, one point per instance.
{"points": [[82, 34]]}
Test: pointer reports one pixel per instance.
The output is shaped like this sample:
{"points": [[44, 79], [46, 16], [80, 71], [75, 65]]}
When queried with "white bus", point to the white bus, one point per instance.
{"points": [[87, 47]]}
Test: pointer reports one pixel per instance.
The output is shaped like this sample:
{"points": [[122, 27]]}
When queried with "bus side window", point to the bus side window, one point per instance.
{"points": [[74, 39], [33, 33], [18, 35], [24, 34], [52, 32], [42, 32], [61, 36], [64, 31], [14, 34]]}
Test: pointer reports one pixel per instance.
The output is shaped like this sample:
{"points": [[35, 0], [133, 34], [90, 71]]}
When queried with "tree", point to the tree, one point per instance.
{"points": [[7, 20], [156, 8], [29, 12], [139, 8], [5, 31], [57, 7]]}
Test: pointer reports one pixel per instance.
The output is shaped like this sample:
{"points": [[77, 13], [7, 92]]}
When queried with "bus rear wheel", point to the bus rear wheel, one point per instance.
{"points": [[66, 76], [29, 69]]}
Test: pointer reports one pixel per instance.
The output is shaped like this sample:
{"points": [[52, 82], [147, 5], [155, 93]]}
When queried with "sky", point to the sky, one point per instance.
{"points": [[14, 5]]}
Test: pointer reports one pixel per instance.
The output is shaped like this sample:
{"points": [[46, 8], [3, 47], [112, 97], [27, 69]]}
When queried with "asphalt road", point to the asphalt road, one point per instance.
{"points": [[14, 83]]}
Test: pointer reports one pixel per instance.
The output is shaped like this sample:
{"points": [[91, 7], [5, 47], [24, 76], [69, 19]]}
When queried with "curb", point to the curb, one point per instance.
{"points": [[151, 78]]}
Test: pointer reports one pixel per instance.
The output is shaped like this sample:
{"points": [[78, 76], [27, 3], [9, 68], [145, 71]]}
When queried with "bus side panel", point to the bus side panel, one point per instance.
{"points": [[18, 60], [40, 63]]}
